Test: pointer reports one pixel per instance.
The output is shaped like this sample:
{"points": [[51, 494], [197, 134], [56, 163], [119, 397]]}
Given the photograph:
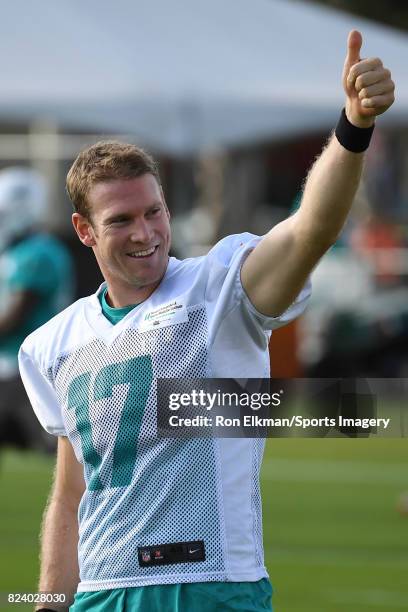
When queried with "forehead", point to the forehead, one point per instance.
{"points": [[124, 193]]}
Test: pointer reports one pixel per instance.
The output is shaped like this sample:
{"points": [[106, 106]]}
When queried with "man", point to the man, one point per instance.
{"points": [[168, 524], [35, 284]]}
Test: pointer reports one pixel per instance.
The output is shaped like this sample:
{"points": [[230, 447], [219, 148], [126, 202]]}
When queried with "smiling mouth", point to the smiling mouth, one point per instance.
{"points": [[143, 254]]}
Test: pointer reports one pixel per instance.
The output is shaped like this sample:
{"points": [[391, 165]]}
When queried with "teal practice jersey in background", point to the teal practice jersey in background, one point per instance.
{"points": [[40, 264]]}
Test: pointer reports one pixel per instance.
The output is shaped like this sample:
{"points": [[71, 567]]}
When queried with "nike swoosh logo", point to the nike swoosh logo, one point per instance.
{"points": [[193, 551]]}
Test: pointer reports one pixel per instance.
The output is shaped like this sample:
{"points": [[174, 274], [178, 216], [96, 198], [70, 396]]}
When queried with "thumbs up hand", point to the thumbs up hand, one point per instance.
{"points": [[367, 84]]}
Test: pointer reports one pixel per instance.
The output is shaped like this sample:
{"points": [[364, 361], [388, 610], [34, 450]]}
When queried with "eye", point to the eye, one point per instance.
{"points": [[118, 220], [154, 211]]}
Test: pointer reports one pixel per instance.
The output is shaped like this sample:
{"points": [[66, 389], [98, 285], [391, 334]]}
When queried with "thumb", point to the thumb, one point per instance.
{"points": [[354, 42]]}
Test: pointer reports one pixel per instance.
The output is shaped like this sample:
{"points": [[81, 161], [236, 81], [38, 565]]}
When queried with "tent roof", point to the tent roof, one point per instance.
{"points": [[188, 74]]}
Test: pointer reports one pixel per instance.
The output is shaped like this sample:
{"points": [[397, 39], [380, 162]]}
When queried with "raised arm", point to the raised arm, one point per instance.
{"points": [[278, 267], [59, 538]]}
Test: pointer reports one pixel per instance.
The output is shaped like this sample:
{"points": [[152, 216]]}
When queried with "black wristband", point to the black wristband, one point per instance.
{"points": [[45, 610], [352, 138]]}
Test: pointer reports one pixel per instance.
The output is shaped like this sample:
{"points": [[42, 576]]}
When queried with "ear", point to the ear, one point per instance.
{"points": [[84, 230]]}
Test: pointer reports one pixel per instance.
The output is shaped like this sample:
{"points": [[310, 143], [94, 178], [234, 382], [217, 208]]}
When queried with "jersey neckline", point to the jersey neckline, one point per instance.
{"points": [[102, 327]]}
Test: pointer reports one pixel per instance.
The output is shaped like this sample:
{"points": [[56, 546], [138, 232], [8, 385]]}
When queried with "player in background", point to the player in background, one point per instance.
{"points": [[35, 284], [166, 524]]}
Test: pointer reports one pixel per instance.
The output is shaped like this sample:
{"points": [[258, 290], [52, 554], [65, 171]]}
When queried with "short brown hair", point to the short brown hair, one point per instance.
{"points": [[106, 160]]}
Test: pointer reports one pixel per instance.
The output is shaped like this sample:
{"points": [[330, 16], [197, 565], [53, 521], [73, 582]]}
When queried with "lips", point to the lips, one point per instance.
{"points": [[143, 254]]}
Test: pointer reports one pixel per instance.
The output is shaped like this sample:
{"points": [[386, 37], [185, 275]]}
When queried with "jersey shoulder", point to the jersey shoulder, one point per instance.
{"points": [[195, 276], [56, 336], [222, 255], [227, 248], [40, 246]]}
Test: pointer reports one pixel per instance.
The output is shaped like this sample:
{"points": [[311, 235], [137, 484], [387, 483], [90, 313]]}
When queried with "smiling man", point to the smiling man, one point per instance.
{"points": [[124, 219], [165, 524]]}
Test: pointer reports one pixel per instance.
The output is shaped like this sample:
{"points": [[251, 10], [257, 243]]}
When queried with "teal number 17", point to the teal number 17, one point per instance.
{"points": [[137, 373]]}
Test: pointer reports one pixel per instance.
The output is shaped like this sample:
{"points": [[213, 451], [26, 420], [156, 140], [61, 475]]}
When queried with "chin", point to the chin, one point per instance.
{"points": [[147, 281]]}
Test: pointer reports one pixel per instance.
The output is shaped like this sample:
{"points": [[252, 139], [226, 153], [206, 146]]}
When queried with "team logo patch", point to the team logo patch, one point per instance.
{"points": [[164, 315]]}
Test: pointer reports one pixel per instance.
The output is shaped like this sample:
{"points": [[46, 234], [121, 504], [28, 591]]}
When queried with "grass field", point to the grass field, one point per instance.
{"points": [[333, 539]]}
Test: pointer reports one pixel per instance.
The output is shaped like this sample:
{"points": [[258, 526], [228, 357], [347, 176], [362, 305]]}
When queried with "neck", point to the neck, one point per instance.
{"points": [[121, 297]]}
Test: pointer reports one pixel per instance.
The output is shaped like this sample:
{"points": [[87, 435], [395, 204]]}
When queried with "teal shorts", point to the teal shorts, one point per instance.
{"points": [[194, 596]]}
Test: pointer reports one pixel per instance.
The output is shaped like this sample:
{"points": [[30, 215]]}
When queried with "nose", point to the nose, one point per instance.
{"points": [[141, 232]]}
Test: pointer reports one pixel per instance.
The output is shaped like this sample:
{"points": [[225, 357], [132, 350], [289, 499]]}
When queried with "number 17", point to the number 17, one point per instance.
{"points": [[137, 373]]}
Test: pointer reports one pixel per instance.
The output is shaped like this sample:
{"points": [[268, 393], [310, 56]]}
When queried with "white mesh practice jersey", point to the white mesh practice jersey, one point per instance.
{"points": [[95, 383]]}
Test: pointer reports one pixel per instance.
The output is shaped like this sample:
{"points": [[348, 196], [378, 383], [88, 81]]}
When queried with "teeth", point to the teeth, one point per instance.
{"points": [[142, 253]]}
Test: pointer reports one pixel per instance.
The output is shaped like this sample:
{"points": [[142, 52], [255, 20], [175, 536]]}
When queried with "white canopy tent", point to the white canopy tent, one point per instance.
{"points": [[185, 75]]}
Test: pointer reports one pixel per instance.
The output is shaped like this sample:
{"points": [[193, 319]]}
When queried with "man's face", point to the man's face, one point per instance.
{"points": [[131, 235]]}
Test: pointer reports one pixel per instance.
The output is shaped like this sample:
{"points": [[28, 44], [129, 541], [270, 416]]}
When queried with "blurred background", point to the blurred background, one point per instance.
{"points": [[235, 99]]}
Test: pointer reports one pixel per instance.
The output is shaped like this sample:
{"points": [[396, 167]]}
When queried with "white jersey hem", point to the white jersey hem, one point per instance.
{"points": [[125, 583]]}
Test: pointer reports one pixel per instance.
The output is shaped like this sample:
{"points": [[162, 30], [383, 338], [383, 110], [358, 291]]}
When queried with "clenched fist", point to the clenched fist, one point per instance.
{"points": [[368, 85]]}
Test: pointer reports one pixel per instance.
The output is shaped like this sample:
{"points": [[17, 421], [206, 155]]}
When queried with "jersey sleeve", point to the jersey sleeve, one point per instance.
{"points": [[230, 254], [41, 395]]}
